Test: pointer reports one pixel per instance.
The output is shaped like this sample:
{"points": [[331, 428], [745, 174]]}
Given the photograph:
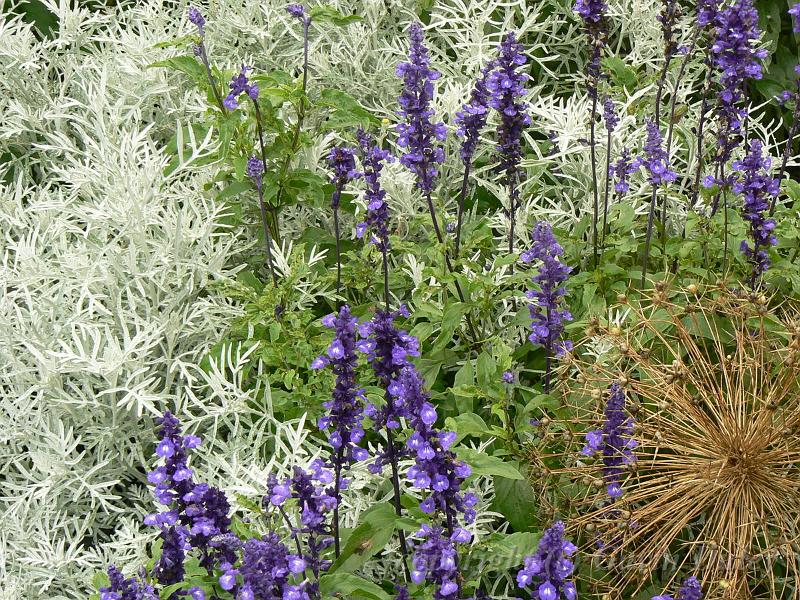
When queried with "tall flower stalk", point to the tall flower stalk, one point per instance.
{"points": [[547, 316], [255, 170], [197, 19], [611, 120], [345, 410], [506, 86], [421, 137], [593, 13], [549, 570], [343, 164]]}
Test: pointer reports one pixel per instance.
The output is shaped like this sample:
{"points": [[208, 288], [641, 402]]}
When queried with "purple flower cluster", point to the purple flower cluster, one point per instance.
{"points": [[622, 169], [758, 188], [690, 590], [546, 315], [436, 560], [299, 12], [668, 18], [613, 441], [506, 85], [197, 19], [342, 161], [656, 160], [472, 117], [418, 135], [126, 589], [345, 410], [240, 85], [795, 12], [591, 11], [264, 572], [388, 350], [196, 512], [255, 170], [436, 469], [550, 568], [372, 161], [707, 12], [736, 58], [610, 116]]}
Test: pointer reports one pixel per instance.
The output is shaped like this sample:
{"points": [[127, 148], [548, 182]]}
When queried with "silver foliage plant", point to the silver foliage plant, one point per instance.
{"points": [[106, 310]]}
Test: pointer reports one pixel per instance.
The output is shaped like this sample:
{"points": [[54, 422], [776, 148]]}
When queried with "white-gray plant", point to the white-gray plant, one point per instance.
{"points": [[110, 268]]}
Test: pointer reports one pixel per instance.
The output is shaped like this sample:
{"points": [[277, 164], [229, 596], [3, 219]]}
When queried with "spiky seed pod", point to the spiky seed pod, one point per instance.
{"points": [[717, 477]]}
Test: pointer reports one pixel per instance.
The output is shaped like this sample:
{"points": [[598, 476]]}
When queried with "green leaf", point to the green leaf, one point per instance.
{"points": [[100, 580], [483, 464], [487, 369], [451, 319], [184, 64], [621, 73], [516, 501], [347, 585], [466, 424], [327, 14]]}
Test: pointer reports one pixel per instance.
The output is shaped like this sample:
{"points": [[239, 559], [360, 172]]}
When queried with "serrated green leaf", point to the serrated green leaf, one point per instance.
{"points": [[328, 14], [483, 464]]}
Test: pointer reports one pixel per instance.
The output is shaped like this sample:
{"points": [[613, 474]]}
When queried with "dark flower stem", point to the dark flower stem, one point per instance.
{"points": [[548, 362], [593, 148], [788, 150], [211, 79], [386, 279], [398, 508], [262, 205], [673, 102], [448, 263], [338, 251], [700, 136], [724, 192], [292, 530], [649, 235], [337, 485], [462, 198], [607, 190]]}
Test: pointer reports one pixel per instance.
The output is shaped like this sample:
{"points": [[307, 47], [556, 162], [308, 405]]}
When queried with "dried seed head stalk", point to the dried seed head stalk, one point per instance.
{"points": [[711, 379]]}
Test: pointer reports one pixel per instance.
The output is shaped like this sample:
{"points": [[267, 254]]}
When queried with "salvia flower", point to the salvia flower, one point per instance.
{"points": [[795, 12], [377, 221], [195, 512], [690, 590], [197, 19], [614, 441], [265, 571], [342, 161], [591, 11], [240, 85], [736, 57], [656, 160], [506, 86], [622, 169], [120, 588], [547, 316], [610, 117], [436, 561], [255, 170], [472, 117], [707, 12], [758, 188], [547, 572], [345, 410], [436, 469], [299, 12], [417, 134]]}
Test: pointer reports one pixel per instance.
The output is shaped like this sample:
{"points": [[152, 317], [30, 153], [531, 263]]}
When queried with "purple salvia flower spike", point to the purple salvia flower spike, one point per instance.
{"points": [[547, 573]]}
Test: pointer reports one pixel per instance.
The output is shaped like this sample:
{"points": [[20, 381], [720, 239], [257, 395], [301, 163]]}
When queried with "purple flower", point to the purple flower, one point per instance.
{"points": [[549, 569], [610, 114], [418, 135], [795, 12], [668, 17], [240, 85], [690, 590], [656, 160], [591, 11], [758, 188], [472, 117], [255, 170], [736, 58], [345, 410], [547, 318], [343, 164], [196, 512], [372, 160], [508, 377], [621, 169], [506, 85], [298, 11], [436, 469], [196, 18], [707, 12], [436, 560], [266, 568], [614, 441], [126, 589]]}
